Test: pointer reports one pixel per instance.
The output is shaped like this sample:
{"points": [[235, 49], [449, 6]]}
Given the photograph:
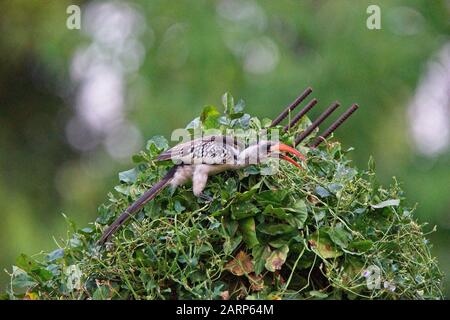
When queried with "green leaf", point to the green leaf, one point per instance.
{"points": [[105, 215], [245, 196], [102, 293], [242, 122], [322, 192], [54, 268], [255, 123], [26, 263], [300, 214], [279, 242], [335, 149], [344, 173], [157, 144], [335, 187], [240, 106], [229, 188], [128, 176], [20, 279], [273, 197], [318, 294], [86, 230], [318, 216], [73, 277], [55, 255], [42, 274], [140, 157], [230, 226], [72, 225], [194, 124], [266, 123], [224, 120], [304, 123], [339, 236], [371, 164], [252, 170], [235, 116], [228, 103], [275, 229], [387, 203], [179, 207], [243, 210], [248, 229], [4, 296], [277, 258], [197, 276], [353, 266], [123, 189], [210, 117], [231, 243], [260, 255], [75, 241], [362, 245], [323, 246], [279, 213]]}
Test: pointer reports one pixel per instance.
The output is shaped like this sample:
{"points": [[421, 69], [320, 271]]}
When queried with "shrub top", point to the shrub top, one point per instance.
{"points": [[329, 231]]}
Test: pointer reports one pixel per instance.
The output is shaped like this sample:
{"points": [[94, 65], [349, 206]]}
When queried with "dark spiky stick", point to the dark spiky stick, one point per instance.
{"points": [[334, 125], [302, 112], [316, 123], [291, 107]]}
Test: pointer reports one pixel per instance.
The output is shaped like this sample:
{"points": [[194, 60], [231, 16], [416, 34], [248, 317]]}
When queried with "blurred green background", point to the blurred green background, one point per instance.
{"points": [[76, 104]]}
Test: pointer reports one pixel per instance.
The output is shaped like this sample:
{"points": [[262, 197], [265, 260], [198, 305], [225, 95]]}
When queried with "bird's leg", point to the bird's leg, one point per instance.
{"points": [[199, 179], [186, 173], [181, 176]]}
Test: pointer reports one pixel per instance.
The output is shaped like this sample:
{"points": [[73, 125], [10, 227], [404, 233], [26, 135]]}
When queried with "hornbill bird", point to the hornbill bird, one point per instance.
{"points": [[200, 158], [196, 160]]}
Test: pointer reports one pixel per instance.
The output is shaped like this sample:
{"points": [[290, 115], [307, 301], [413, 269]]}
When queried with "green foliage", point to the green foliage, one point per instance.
{"points": [[194, 49], [310, 234]]}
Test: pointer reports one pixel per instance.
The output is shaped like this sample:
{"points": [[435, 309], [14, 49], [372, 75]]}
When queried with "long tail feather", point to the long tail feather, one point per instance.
{"points": [[137, 205]]}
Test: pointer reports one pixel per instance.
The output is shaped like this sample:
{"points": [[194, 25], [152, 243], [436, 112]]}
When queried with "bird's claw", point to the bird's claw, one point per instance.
{"points": [[205, 197]]}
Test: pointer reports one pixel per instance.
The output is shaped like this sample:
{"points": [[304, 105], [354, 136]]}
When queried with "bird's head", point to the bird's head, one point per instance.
{"points": [[262, 150]]}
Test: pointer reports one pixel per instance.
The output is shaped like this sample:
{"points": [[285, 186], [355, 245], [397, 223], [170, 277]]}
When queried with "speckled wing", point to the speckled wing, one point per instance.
{"points": [[207, 150]]}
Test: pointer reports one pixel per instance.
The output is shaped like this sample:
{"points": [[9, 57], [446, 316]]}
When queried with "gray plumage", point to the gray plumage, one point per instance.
{"points": [[196, 160], [214, 149]]}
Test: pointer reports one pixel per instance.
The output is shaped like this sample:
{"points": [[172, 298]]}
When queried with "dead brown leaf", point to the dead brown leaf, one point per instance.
{"points": [[256, 282], [240, 265]]}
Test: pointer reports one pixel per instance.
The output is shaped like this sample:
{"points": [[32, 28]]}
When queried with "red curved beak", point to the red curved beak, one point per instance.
{"points": [[285, 148]]}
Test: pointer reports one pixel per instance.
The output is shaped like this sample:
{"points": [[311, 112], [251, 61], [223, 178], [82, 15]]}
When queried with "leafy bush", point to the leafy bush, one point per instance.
{"points": [[329, 231]]}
